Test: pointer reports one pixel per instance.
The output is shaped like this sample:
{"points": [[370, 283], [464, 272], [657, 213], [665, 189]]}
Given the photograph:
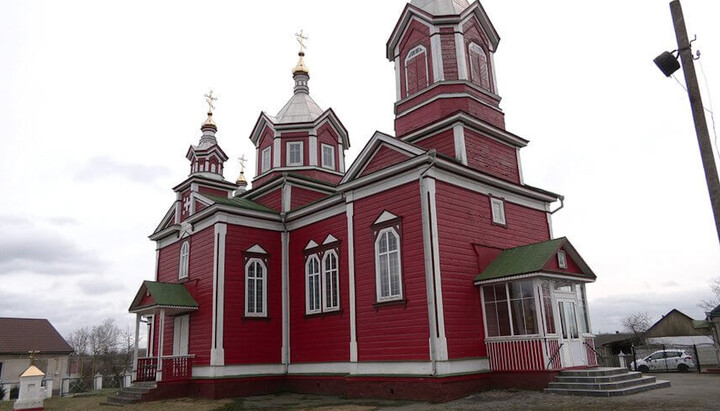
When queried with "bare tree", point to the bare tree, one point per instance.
{"points": [[101, 348], [712, 302], [636, 323]]}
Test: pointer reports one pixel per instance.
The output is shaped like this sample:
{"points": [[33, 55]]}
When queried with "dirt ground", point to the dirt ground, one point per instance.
{"points": [[688, 392]]}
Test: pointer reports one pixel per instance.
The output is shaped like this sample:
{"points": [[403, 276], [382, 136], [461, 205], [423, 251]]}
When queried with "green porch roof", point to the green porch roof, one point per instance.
{"points": [[531, 258], [164, 295]]}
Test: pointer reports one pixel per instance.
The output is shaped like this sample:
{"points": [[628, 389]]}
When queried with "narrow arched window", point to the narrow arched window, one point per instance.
{"points": [[479, 71], [312, 274], [330, 282], [387, 262], [184, 260], [416, 70], [255, 288]]}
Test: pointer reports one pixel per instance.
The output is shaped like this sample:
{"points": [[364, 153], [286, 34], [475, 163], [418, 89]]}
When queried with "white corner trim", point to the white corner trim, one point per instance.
{"points": [[519, 163], [385, 216], [427, 254], [217, 354], [329, 239], [285, 350], [313, 142], [442, 350], [256, 249], [460, 150], [492, 70], [550, 225], [286, 197], [436, 49], [277, 152], [351, 280], [461, 58], [311, 244], [398, 84]]}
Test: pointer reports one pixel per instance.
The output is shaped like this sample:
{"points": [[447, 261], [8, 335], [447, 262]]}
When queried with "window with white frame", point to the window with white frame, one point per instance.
{"points": [[331, 289], [479, 72], [387, 265], [416, 70], [510, 309], [312, 285], [266, 158], [562, 259], [498, 211], [328, 156], [255, 288], [184, 260], [295, 153]]}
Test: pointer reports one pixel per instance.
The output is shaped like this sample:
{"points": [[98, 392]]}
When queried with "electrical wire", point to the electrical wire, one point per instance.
{"points": [[711, 110]]}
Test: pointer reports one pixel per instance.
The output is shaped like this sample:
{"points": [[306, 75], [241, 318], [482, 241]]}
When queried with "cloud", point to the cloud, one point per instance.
{"points": [[26, 247], [102, 167]]}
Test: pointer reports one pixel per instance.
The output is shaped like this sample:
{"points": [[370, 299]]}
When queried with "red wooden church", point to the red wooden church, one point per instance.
{"points": [[426, 269]]}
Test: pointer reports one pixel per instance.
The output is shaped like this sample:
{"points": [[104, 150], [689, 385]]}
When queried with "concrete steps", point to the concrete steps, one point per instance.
{"points": [[603, 382], [130, 395]]}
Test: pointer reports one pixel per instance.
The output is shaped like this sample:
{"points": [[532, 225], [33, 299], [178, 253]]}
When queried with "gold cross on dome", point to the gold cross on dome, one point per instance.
{"points": [[301, 39], [243, 160], [210, 99], [33, 353]]}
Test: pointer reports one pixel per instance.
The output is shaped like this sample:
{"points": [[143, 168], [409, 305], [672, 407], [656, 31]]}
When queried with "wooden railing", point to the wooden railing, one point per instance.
{"points": [[146, 369], [524, 354], [177, 367], [174, 368]]}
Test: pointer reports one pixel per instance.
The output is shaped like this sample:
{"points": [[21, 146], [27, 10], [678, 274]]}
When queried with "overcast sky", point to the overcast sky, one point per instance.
{"points": [[100, 100]]}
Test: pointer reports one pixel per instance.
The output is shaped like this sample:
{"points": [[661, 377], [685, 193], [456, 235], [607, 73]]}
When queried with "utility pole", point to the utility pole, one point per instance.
{"points": [[698, 111]]}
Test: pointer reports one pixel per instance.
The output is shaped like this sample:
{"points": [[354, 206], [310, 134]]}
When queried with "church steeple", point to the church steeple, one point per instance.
{"points": [[301, 74], [207, 158]]}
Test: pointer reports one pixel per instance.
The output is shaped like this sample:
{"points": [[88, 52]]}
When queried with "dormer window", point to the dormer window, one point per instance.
{"points": [[265, 160], [328, 156], [562, 259], [294, 153], [479, 71], [416, 70]]}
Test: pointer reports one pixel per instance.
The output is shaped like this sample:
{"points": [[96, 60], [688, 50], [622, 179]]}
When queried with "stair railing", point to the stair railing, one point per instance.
{"points": [[554, 356], [597, 355]]}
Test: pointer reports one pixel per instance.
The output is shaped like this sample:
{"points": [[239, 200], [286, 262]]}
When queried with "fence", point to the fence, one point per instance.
{"points": [[703, 355]]}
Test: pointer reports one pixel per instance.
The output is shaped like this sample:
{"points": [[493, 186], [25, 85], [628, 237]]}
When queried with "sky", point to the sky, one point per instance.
{"points": [[99, 102]]}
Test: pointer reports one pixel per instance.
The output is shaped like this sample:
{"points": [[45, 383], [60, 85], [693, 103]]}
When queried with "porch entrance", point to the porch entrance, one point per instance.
{"points": [[572, 350]]}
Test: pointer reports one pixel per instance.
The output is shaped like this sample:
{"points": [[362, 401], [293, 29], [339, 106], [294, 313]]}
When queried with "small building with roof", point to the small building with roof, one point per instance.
{"points": [[21, 337]]}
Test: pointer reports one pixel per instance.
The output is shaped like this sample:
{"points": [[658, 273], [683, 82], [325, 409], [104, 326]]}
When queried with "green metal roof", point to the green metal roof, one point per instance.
{"points": [[165, 295], [530, 259], [240, 203]]}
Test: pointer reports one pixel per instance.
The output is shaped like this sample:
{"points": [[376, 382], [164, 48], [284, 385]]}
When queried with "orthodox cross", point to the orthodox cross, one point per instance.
{"points": [[243, 160], [210, 99], [301, 39], [33, 353]]}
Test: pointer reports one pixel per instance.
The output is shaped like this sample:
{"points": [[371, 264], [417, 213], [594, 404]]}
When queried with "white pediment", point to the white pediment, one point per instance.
{"points": [[311, 244], [385, 216], [329, 239], [256, 249]]}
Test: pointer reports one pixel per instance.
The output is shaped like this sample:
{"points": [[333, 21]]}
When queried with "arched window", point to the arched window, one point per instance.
{"points": [[387, 263], [184, 260], [330, 282], [312, 274], [479, 71], [255, 288], [416, 70]]}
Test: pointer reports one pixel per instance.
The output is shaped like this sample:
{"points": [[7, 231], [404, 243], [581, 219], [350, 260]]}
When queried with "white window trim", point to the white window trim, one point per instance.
{"points": [[307, 284], [562, 259], [265, 165], [478, 49], [183, 270], [288, 162], [331, 164], [326, 304], [416, 51], [264, 288], [498, 218], [378, 286]]}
